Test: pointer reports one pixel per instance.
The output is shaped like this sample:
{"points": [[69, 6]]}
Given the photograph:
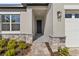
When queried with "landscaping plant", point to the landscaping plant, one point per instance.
{"points": [[12, 47], [10, 52], [63, 51], [22, 45], [1, 49], [11, 44], [2, 42]]}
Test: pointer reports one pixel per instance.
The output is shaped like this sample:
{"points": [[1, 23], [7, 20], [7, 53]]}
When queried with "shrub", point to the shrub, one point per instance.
{"points": [[11, 44], [10, 52], [22, 45], [1, 49], [20, 41], [2, 42], [63, 51]]}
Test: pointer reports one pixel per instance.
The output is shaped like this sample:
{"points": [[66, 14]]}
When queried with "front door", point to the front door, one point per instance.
{"points": [[39, 26]]}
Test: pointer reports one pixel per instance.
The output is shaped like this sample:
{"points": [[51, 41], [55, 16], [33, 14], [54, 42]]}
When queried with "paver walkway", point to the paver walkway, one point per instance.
{"points": [[39, 49], [74, 51]]}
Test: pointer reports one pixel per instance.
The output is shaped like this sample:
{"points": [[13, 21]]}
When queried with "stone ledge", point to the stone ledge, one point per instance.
{"points": [[25, 37]]}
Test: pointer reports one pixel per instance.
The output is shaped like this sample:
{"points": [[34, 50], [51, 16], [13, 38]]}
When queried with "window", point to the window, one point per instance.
{"points": [[15, 27], [15, 22], [76, 15], [16, 18], [5, 22], [10, 22], [68, 15], [5, 27], [5, 18]]}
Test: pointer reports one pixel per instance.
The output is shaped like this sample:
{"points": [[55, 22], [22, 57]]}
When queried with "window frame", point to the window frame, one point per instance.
{"points": [[10, 13]]}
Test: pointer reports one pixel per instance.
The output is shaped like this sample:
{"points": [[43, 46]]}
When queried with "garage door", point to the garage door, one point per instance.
{"points": [[72, 30]]}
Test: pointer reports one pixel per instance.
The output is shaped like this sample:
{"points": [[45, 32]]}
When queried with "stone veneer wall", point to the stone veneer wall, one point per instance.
{"points": [[56, 42], [25, 37]]}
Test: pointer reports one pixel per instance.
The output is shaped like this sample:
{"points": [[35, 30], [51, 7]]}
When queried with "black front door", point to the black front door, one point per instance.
{"points": [[39, 26]]}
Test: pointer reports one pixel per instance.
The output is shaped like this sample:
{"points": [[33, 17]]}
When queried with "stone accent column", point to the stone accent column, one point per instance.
{"points": [[29, 38]]}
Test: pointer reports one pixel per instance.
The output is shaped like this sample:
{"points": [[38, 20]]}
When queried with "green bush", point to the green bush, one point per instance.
{"points": [[11, 44], [22, 45], [2, 42], [1, 49], [20, 41], [10, 52], [63, 51]]}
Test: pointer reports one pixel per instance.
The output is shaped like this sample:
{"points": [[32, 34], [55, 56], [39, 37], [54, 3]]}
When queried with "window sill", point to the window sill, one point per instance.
{"points": [[10, 32]]}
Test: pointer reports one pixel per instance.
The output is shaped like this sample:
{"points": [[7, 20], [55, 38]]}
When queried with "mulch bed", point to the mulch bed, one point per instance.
{"points": [[24, 52], [55, 54]]}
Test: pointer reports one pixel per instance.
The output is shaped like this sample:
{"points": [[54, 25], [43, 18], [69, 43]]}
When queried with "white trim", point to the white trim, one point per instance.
{"points": [[9, 12], [71, 6], [10, 23], [10, 32]]}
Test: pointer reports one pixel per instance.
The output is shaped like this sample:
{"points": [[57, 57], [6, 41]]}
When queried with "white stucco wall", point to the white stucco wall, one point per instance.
{"points": [[52, 26], [26, 21], [33, 23], [48, 30], [58, 26]]}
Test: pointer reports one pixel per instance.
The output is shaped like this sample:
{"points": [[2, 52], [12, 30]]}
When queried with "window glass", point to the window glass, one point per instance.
{"points": [[5, 22], [15, 18], [5, 18], [5, 27], [68, 15], [15, 22], [76, 15], [15, 27]]}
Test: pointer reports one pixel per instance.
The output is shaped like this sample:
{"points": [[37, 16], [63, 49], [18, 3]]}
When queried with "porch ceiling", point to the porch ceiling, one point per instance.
{"points": [[40, 13]]}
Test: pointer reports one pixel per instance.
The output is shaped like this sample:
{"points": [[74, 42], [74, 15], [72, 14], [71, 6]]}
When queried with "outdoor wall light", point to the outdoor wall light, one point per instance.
{"points": [[59, 15]]}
